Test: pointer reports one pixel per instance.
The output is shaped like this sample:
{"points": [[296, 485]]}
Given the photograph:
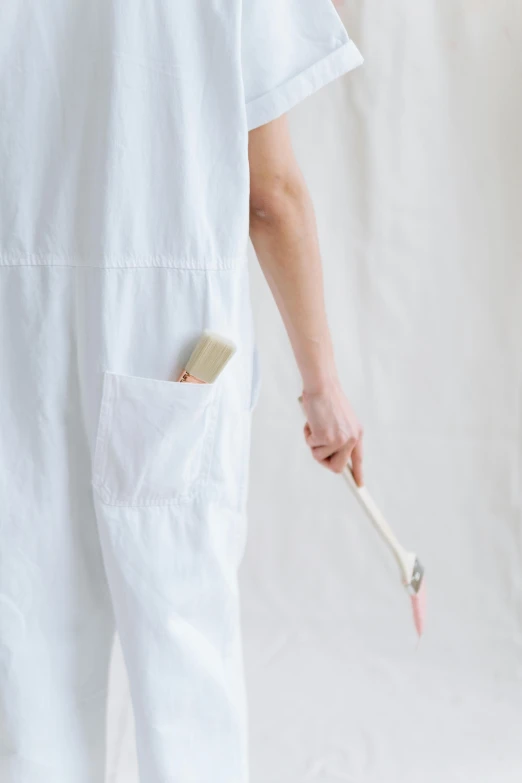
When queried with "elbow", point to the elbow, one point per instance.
{"points": [[275, 201]]}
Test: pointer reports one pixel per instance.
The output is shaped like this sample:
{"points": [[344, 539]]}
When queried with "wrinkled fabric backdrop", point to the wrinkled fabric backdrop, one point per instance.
{"points": [[415, 167]]}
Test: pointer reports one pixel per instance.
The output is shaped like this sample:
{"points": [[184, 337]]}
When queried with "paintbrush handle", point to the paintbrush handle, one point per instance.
{"points": [[376, 517], [404, 558]]}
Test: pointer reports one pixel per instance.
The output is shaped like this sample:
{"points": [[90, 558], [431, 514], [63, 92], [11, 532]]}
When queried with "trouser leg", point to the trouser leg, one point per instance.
{"points": [[176, 601], [56, 630], [56, 621]]}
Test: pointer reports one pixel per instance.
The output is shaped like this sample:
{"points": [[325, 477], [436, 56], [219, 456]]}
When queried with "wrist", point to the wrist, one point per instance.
{"points": [[317, 365], [319, 384]]}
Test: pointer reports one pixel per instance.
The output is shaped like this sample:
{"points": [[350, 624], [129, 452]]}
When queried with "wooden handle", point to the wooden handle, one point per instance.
{"points": [[378, 520]]}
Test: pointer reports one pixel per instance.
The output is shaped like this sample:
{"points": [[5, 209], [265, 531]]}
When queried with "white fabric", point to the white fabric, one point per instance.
{"points": [[169, 466], [290, 49], [126, 137], [123, 235], [415, 167]]}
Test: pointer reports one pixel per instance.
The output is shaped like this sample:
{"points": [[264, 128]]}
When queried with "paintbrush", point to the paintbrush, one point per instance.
{"points": [[410, 566], [208, 359]]}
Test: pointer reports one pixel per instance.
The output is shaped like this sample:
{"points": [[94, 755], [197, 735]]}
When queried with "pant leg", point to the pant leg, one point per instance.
{"points": [[170, 469], [177, 612], [56, 622]]}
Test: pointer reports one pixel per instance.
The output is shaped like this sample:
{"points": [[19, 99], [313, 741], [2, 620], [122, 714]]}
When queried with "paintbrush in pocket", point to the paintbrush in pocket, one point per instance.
{"points": [[208, 359]]}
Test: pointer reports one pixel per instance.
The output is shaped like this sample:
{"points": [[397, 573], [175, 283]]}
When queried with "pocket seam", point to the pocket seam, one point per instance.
{"points": [[101, 449]]}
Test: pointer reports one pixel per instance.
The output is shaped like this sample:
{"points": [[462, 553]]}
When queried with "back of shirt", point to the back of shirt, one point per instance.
{"points": [[124, 125]]}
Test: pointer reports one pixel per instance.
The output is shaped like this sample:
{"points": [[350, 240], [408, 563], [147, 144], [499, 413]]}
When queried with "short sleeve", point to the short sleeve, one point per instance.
{"points": [[290, 49]]}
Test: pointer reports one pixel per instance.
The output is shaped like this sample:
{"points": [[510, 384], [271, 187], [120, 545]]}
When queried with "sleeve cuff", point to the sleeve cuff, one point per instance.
{"points": [[280, 100]]}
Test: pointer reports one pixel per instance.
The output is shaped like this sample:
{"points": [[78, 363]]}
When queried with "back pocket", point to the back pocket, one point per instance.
{"points": [[154, 442]]}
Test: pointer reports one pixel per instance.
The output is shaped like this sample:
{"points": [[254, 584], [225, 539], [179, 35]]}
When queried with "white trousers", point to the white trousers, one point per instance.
{"points": [[122, 503]]}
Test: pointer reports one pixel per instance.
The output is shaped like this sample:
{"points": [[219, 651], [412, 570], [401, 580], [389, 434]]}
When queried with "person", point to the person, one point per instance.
{"points": [[140, 145]]}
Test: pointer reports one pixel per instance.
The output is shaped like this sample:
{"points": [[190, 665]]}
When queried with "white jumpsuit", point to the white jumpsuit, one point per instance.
{"points": [[124, 216]]}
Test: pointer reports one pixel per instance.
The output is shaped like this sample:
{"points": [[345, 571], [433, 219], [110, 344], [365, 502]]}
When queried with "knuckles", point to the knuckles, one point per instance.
{"points": [[336, 439], [333, 441]]}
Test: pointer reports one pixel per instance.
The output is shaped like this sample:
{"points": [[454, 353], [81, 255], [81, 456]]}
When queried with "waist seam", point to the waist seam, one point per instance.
{"points": [[127, 262]]}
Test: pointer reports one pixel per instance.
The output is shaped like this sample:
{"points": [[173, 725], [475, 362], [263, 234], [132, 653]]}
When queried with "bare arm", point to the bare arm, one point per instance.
{"points": [[284, 235]]}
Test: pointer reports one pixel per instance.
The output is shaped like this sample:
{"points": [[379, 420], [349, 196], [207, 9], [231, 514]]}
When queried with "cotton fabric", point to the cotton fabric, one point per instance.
{"points": [[123, 234]]}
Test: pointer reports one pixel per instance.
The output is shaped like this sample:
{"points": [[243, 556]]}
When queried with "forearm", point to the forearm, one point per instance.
{"points": [[284, 236]]}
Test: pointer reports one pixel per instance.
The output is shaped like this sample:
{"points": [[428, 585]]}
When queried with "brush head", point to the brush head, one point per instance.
{"points": [[417, 590], [417, 575], [210, 356]]}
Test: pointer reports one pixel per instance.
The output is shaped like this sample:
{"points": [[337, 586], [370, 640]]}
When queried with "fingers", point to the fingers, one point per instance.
{"points": [[324, 444], [321, 446], [338, 461], [336, 453]]}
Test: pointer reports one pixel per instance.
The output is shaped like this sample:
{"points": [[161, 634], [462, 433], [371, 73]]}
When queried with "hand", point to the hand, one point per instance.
{"points": [[333, 432]]}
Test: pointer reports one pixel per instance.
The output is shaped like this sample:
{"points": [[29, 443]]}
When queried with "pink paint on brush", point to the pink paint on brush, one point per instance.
{"points": [[418, 602]]}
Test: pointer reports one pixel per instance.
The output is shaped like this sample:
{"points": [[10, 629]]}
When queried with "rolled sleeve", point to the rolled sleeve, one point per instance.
{"points": [[291, 48]]}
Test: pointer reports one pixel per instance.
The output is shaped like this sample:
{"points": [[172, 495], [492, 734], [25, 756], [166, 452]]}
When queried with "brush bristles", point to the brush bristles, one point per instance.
{"points": [[210, 356], [418, 603]]}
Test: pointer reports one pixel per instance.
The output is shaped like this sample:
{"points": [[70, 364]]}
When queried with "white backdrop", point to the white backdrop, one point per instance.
{"points": [[415, 166]]}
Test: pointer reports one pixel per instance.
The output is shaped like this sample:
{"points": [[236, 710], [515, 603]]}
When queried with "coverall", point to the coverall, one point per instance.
{"points": [[124, 221]]}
